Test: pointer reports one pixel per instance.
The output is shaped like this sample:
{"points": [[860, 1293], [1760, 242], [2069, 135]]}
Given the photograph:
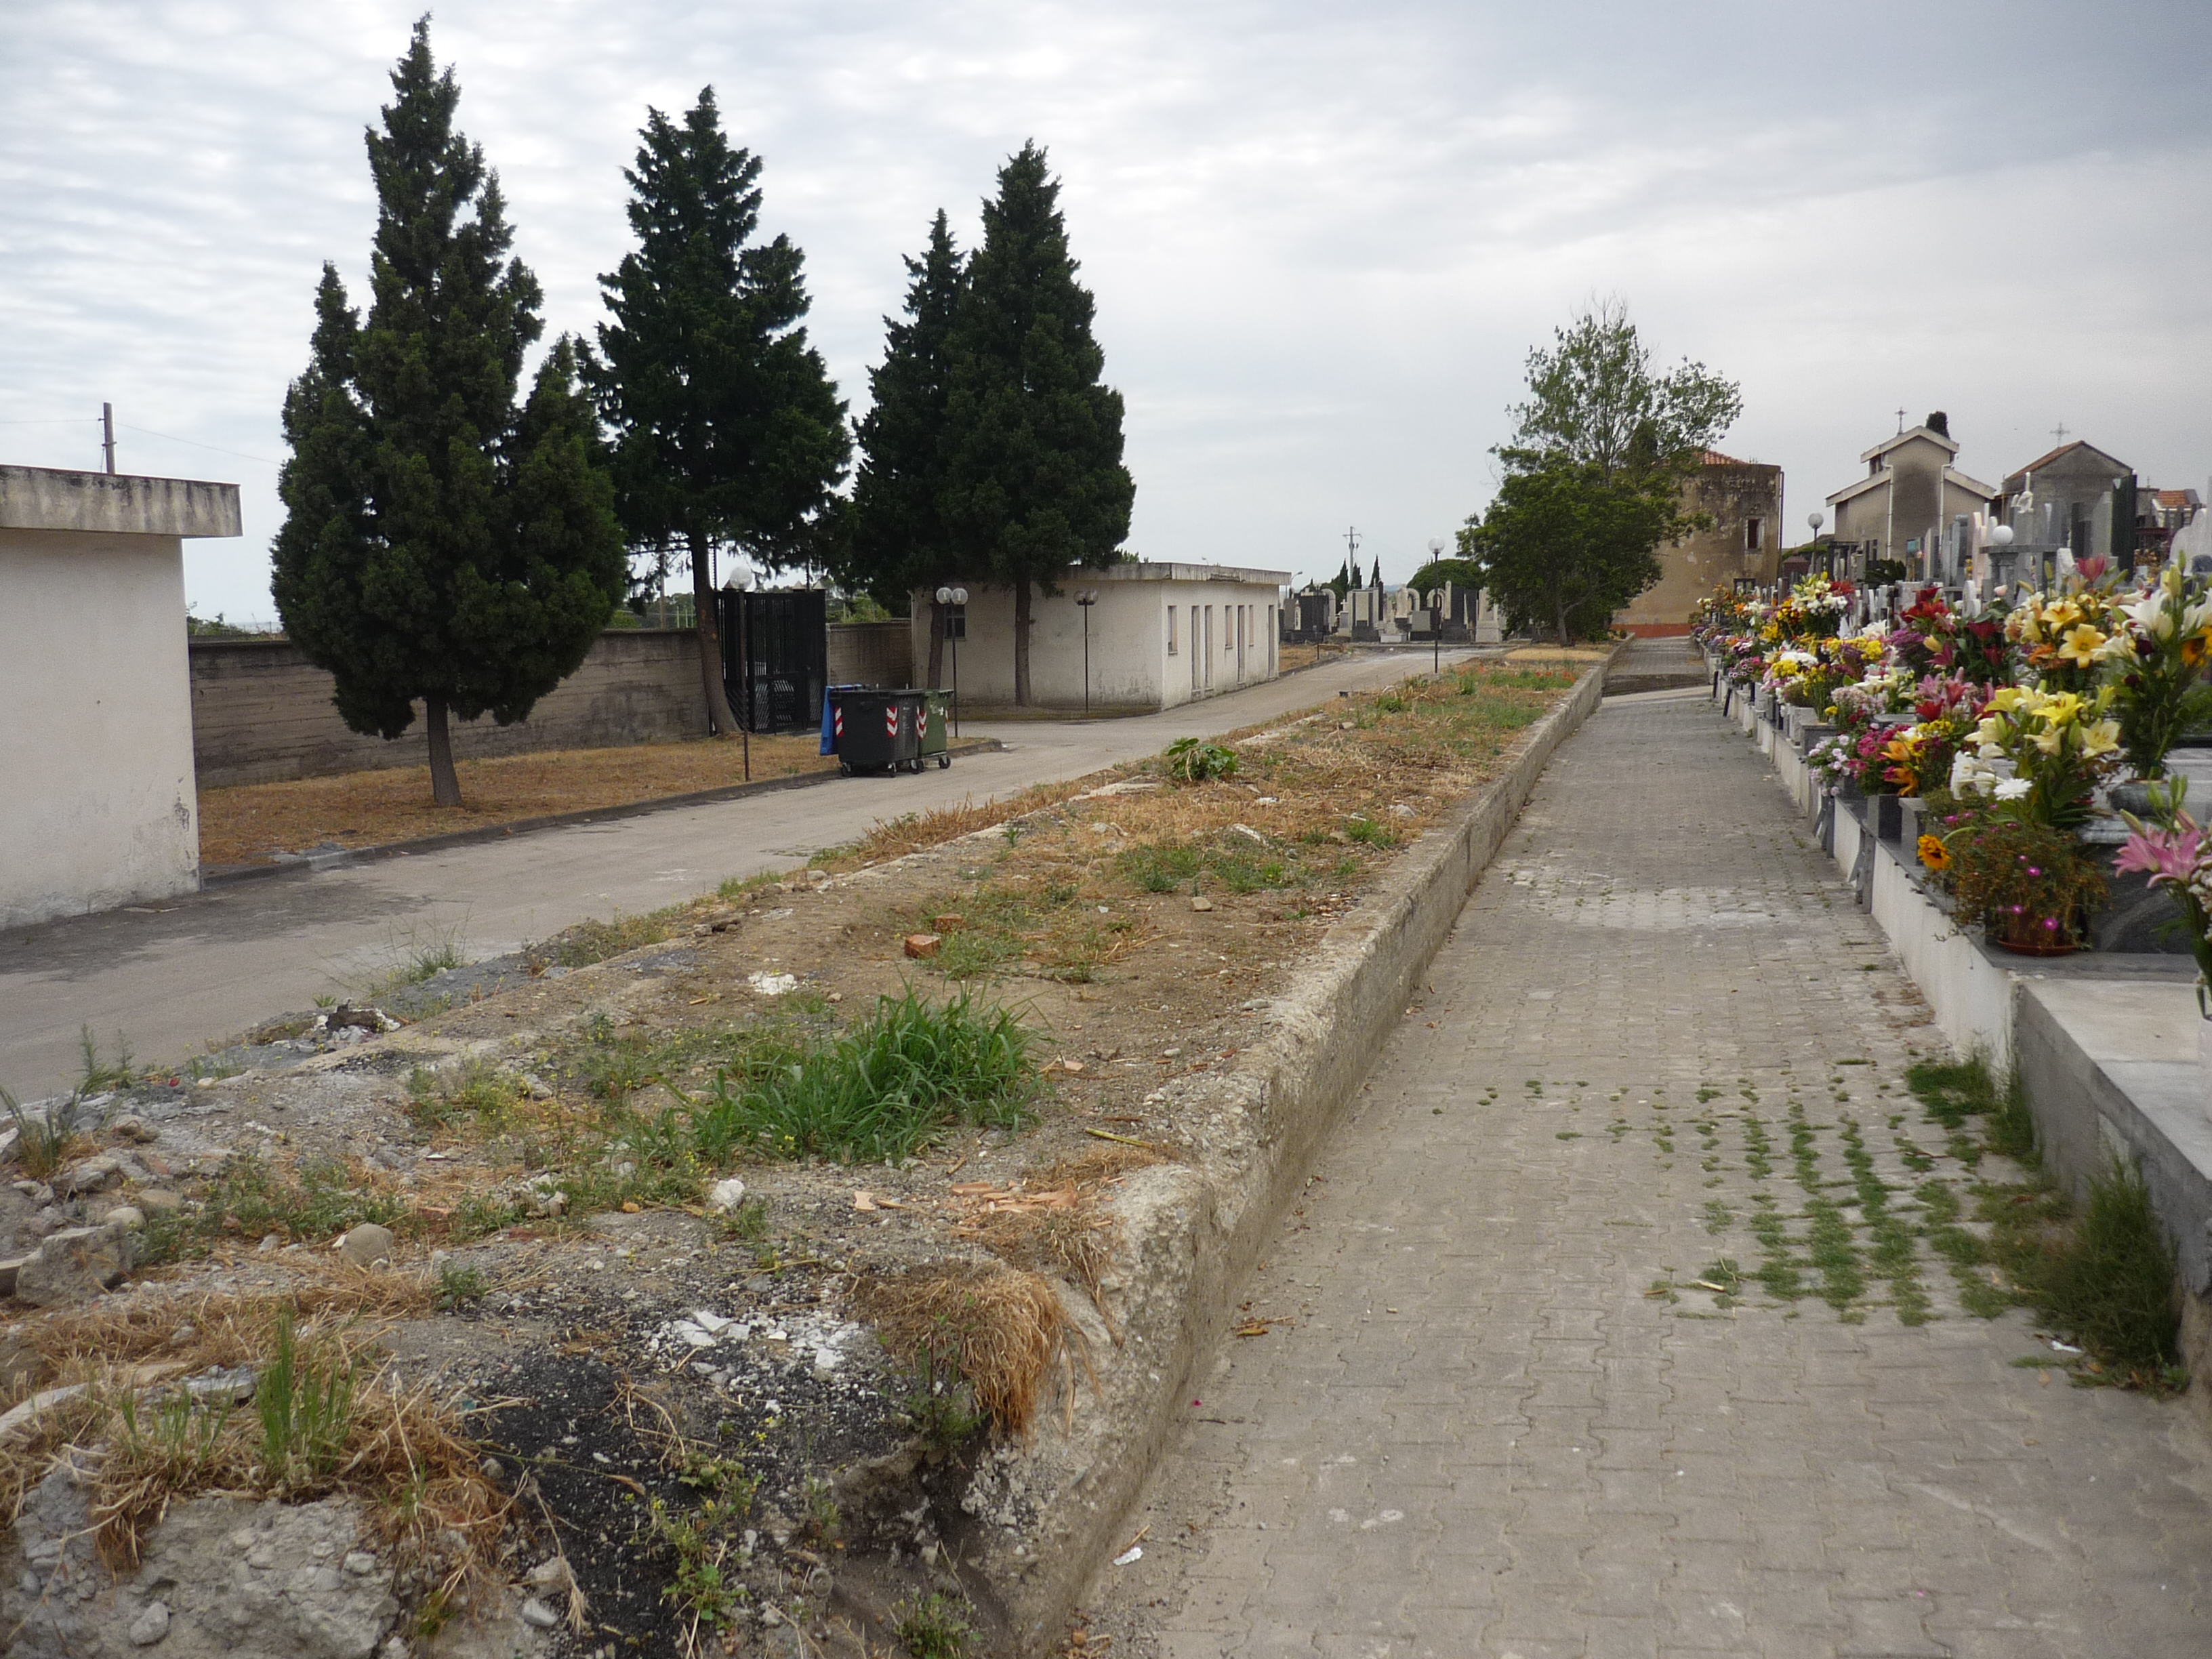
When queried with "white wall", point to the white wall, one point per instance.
{"points": [[1132, 666], [97, 806]]}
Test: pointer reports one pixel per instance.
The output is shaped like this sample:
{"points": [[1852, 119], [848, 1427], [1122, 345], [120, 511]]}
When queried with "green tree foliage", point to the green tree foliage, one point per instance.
{"points": [[1593, 401], [1595, 472], [1461, 572], [1034, 476], [1344, 580], [1562, 548], [897, 538], [440, 543], [728, 429]]}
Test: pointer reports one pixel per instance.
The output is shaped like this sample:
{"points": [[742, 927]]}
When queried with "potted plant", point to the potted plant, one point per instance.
{"points": [[2030, 884]]}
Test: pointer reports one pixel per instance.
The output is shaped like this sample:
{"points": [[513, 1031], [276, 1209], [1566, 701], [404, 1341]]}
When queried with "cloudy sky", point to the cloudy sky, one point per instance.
{"points": [[1323, 237]]}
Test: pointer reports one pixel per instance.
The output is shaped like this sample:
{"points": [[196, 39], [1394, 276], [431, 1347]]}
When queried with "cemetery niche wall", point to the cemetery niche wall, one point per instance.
{"points": [[100, 808]]}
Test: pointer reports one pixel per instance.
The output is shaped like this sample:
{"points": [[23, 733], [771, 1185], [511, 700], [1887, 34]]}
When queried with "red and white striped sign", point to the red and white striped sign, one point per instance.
{"points": [[890, 719]]}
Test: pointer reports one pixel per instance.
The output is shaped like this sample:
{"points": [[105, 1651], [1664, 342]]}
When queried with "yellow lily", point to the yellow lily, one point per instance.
{"points": [[2080, 644]]}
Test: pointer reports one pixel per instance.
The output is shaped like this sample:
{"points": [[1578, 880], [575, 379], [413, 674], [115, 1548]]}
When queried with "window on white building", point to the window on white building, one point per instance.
{"points": [[1171, 631]]}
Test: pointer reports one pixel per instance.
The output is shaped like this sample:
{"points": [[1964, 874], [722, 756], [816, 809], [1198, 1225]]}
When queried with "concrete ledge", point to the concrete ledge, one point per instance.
{"points": [[1047, 1516], [2112, 1072], [115, 504]]}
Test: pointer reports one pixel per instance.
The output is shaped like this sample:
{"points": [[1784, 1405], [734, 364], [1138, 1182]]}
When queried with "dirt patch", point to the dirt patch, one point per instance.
{"points": [[252, 823], [691, 1398]]}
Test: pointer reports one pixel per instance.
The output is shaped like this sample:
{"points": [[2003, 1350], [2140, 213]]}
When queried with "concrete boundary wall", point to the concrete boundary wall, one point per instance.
{"points": [[262, 712], [1050, 1515]]}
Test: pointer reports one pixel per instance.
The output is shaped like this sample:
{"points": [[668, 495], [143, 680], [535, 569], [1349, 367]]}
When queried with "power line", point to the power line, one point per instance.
{"points": [[196, 444], [74, 420]]}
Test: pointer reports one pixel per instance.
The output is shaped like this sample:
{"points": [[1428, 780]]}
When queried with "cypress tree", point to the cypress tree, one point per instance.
{"points": [[897, 537], [1033, 476], [440, 544], [728, 428]]}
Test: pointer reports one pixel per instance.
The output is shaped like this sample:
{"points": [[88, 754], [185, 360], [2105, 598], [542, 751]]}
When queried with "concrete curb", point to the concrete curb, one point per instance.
{"points": [[313, 863], [1042, 1519]]}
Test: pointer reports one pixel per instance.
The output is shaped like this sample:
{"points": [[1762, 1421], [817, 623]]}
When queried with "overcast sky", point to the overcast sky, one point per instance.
{"points": [[1323, 237]]}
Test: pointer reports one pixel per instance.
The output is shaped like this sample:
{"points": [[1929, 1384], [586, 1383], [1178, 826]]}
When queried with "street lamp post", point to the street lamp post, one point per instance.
{"points": [[1435, 616], [1084, 599], [955, 600]]}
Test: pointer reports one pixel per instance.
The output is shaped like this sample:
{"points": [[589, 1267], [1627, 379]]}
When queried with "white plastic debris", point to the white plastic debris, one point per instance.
{"points": [[773, 985], [1134, 1552]]}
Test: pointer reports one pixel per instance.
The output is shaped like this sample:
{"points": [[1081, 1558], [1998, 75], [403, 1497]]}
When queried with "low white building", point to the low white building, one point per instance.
{"points": [[97, 805], [1159, 635]]}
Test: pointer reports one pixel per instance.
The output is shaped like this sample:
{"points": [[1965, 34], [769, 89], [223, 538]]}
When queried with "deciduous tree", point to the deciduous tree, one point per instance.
{"points": [[1594, 476]]}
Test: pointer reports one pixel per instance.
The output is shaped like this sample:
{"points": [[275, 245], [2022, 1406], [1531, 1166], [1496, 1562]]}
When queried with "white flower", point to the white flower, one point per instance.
{"points": [[1970, 776], [2014, 789]]}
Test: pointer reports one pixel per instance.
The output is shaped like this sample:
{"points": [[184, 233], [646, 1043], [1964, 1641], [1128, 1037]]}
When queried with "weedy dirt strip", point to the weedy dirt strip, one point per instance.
{"points": [[1010, 1090]]}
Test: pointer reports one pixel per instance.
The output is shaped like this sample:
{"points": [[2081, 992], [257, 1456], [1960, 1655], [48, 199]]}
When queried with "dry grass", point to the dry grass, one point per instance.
{"points": [[1000, 1327], [251, 822], [208, 1327], [403, 1451], [1074, 1236], [911, 832]]}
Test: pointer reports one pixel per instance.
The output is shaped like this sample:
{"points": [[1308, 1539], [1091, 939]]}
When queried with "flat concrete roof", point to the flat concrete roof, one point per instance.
{"points": [[1146, 571], [115, 503]]}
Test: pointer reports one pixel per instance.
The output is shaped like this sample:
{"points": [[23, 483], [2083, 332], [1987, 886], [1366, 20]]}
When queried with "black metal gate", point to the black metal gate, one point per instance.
{"points": [[775, 657]]}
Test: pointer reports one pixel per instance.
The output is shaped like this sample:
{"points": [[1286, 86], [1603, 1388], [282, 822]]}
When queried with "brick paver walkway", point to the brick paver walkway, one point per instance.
{"points": [[1662, 1045]]}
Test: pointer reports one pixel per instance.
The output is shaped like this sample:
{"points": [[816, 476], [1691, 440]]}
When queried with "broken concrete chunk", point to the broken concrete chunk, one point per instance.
{"points": [[726, 1194], [368, 1246], [73, 1264], [536, 1612], [1201, 903], [89, 1175]]}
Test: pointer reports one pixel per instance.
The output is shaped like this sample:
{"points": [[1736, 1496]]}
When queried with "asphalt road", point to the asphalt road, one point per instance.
{"points": [[168, 978]]}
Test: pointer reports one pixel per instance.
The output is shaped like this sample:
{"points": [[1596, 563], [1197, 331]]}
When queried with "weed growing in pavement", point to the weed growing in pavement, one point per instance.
{"points": [[478, 1094], [458, 1285], [316, 1202], [2105, 1274], [306, 1402], [595, 941], [705, 1540], [423, 954], [933, 1626], [43, 1140], [100, 1074], [881, 1089], [939, 1404], [1190, 760], [748, 1221]]}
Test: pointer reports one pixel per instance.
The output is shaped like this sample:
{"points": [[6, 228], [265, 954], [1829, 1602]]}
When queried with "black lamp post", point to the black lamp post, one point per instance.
{"points": [[955, 599], [1084, 599]]}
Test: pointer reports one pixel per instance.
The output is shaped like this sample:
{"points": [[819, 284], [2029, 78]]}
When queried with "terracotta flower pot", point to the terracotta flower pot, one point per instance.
{"points": [[2032, 936]]}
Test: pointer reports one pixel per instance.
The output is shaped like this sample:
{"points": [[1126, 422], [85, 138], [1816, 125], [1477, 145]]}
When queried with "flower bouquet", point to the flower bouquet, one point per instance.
{"points": [[2060, 743], [2163, 640]]}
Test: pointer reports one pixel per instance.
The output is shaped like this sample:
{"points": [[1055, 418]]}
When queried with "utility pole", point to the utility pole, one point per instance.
{"points": [[107, 428]]}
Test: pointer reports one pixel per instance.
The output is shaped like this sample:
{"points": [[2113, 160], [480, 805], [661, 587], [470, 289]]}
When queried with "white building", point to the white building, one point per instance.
{"points": [[97, 806], [1159, 635]]}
